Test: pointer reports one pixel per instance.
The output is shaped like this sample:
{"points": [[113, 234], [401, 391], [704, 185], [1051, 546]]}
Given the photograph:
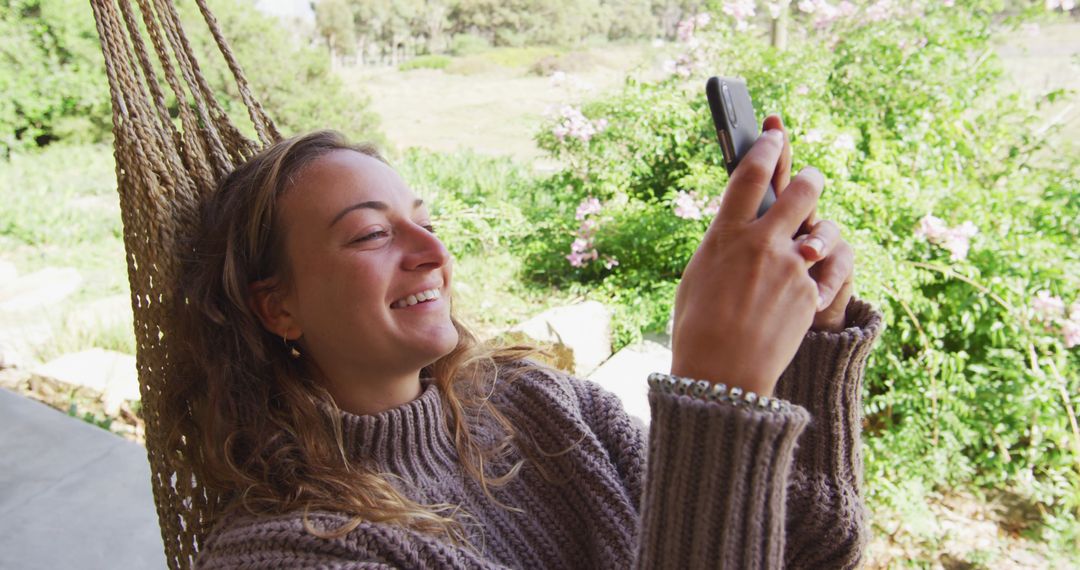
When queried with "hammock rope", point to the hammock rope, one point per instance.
{"points": [[163, 172]]}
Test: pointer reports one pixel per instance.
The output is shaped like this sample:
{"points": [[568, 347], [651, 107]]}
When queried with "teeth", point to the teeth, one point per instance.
{"points": [[416, 298]]}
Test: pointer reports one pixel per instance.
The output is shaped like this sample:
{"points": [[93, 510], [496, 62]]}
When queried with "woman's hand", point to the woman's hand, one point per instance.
{"points": [[751, 291]]}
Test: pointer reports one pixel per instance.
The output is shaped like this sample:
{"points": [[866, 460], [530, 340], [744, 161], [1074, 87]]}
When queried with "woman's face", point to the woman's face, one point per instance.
{"points": [[359, 241]]}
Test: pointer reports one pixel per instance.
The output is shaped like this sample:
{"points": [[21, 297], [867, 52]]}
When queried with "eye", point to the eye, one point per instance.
{"points": [[373, 235]]}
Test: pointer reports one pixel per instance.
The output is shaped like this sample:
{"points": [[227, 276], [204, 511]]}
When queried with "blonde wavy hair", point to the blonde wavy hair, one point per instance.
{"points": [[253, 424]]}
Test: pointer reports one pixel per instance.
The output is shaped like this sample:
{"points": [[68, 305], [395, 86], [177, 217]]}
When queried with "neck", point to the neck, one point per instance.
{"points": [[367, 396]]}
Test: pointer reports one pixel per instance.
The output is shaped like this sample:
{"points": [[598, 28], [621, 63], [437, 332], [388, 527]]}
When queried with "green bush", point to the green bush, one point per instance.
{"points": [[468, 44], [425, 62], [52, 74], [976, 382]]}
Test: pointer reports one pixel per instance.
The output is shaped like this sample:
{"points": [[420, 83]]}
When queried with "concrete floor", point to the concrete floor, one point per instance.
{"points": [[72, 495]]}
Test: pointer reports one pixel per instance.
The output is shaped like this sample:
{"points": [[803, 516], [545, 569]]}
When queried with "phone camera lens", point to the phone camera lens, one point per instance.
{"points": [[726, 93]]}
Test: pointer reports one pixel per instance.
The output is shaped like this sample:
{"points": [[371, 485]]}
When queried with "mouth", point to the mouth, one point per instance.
{"points": [[425, 296]]}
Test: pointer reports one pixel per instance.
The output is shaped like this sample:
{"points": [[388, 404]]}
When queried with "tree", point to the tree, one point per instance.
{"points": [[334, 21]]}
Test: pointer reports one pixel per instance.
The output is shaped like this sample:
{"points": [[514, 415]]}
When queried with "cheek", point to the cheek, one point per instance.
{"points": [[338, 286]]}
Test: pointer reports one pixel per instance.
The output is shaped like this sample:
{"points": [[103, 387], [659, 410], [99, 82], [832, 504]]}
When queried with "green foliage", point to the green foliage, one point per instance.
{"points": [[104, 422], [425, 62], [59, 207], [333, 18], [468, 44], [467, 27], [53, 76], [477, 202], [293, 81], [905, 117]]}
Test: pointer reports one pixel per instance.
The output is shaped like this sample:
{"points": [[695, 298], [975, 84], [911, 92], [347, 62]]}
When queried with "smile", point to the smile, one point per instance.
{"points": [[421, 297]]}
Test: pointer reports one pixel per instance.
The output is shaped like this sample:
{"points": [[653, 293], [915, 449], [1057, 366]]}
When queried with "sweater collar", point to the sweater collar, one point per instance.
{"points": [[411, 440]]}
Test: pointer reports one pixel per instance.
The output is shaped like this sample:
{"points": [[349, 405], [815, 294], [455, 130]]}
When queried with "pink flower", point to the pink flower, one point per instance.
{"points": [[931, 228], [957, 240], [1074, 311], [741, 11], [1071, 331], [712, 208], [610, 262], [588, 206], [1047, 306], [1065, 5], [687, 206], [776, 8], [575, 124], [802, 90], [684, 30], [813, 136], [880, 10], [701, 20], [845, 142]]}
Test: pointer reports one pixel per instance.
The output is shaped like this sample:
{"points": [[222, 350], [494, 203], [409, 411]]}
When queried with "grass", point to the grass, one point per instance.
{"points": [[59, 208], [425, 62]]}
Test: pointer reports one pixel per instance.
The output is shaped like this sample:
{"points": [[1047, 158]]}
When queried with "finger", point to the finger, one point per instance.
{"points": [[833, 318], [783, 170], [832, 272], [820, 242], [797, 202], [751, 178]]}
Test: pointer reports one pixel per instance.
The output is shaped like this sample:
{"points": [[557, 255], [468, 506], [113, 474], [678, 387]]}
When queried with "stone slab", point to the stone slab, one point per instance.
{"points": [[626, 374], [585, 328], [39, 289], [113, 374], [71, 494]]}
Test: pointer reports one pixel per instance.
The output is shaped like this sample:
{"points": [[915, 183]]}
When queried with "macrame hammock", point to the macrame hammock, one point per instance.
{"points": [[163, 173]]}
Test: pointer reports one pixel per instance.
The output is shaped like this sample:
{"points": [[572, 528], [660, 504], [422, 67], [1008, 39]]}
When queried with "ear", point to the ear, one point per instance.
{"points": [[267, 300]]}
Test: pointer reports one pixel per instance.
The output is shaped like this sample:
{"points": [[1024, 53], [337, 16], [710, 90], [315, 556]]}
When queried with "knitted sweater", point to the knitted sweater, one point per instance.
{"points": [[707, 485]]}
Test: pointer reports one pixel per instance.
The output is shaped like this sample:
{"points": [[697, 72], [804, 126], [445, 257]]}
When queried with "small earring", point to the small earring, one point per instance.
{"points": [[292, 349]]}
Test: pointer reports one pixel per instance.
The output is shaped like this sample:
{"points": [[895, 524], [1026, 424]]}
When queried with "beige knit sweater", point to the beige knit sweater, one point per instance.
{"points": [[709, 485]]}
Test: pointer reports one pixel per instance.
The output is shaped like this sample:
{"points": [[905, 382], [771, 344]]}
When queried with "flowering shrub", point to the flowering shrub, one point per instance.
{"points": [[962, 217], [957, 240]]}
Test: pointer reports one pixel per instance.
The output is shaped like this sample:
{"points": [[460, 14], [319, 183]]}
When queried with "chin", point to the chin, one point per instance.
{"points": [[444, 343]]}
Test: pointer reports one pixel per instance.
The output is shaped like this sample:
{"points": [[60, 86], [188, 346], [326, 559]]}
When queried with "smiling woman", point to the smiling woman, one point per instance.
{"points": [[348, 420]]}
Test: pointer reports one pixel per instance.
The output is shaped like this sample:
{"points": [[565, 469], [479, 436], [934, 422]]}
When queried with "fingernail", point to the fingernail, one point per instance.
{"points": [[773, 133], [821, 302], [815, 244]]}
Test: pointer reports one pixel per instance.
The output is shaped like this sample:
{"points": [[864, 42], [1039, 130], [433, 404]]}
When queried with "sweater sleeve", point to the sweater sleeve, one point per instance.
{"points": [[725, 486], [716, 484], [826, 522]]}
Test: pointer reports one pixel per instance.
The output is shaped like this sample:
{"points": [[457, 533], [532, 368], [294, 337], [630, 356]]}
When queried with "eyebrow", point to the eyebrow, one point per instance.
{"points": [[371, 204]]}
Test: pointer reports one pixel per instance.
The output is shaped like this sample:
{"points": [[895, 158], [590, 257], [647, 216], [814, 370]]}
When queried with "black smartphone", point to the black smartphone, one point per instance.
{"points": [[736, 125]]}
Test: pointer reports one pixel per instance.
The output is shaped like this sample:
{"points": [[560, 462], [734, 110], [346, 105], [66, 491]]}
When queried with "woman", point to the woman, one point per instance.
{"points": [[349, 421]]}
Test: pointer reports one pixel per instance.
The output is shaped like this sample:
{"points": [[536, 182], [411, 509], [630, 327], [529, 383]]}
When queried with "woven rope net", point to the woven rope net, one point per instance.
{"points": [[163, 171]]}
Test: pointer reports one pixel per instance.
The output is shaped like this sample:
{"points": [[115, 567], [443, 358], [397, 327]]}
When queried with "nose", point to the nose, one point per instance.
{"points": [[424, 250]]}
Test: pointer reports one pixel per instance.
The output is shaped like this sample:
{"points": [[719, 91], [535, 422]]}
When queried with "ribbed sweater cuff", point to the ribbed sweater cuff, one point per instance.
{"points": [[716, 485], [825, 377]]}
